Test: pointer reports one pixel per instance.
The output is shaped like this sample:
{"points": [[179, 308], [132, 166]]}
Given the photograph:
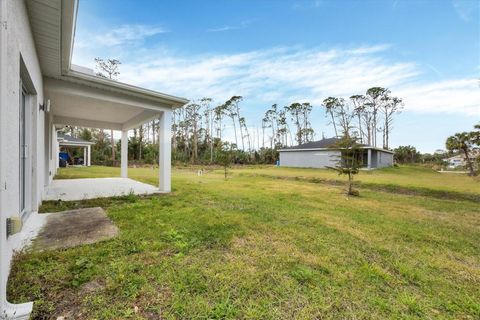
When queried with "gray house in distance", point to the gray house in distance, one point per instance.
{"points": [[323, 153]]}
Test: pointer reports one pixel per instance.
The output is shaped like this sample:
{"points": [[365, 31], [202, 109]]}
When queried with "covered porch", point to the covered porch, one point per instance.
{"points": [[88, 101]]}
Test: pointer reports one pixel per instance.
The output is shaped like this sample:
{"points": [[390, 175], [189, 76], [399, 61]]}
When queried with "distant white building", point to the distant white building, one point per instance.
{"points": [[455, 161], [460, 161]]}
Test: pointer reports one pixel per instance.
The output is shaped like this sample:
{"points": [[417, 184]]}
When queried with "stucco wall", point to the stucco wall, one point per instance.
{"points": [[384, 159], [19, 43], [374, 159], [309, 159]]}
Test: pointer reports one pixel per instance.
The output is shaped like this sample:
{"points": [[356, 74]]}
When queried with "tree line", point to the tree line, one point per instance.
{"points": [[202, 129], [198, 129]]}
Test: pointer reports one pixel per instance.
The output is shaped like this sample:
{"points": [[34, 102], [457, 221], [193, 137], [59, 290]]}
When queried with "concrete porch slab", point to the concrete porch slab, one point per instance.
{"points": [[73, 228], [81, 189]]}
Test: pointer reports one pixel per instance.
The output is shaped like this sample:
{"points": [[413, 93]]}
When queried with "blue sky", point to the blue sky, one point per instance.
{"points": [[426, 52]]}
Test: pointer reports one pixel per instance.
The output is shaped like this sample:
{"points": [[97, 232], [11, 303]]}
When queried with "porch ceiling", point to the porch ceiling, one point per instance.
{"points": [[85, 105]]}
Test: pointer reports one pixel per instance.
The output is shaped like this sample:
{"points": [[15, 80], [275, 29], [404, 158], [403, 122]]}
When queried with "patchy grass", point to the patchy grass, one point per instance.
{"points": [[257, 247]]}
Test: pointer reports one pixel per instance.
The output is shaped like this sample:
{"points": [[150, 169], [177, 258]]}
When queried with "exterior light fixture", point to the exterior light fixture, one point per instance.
{"points": [[45, 106]]}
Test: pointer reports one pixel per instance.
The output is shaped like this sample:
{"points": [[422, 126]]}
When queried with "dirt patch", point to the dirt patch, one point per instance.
{"points": [[73, 228]]}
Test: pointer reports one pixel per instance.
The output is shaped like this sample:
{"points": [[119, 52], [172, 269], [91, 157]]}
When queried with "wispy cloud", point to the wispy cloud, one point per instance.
{"points": [[224, 28], [283, 75], [465, 8], [242, 25], [308, 4], [458, 96], [127, 34]]}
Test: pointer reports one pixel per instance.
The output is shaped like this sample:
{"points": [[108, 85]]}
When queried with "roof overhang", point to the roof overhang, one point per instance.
{"points": [[87, 104], [53, 27], [75, 144], [335, 149], [79, 98]]}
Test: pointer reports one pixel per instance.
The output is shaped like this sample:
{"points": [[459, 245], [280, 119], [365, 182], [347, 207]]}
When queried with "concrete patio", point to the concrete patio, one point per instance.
{"points": [[73, 228], [81, 189]]}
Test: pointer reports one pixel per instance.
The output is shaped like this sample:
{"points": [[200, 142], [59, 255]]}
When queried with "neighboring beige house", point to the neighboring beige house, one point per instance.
{"points": [[40, 91]]}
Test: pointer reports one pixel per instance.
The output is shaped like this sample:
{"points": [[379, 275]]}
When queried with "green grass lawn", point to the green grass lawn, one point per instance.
{"points": [[270, 243]]}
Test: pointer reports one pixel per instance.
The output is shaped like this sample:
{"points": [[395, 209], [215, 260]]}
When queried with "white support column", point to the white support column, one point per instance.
{"points": [[164, 151], [124, 154], [369, 161], [56, 152], [89, 155], [84, 156]]}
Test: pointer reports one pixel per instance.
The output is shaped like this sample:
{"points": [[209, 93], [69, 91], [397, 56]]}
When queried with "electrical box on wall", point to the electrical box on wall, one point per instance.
{"points": [[14, 225]]}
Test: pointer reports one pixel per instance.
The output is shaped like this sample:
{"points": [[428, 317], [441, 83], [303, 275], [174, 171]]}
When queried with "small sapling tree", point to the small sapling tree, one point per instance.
{"points": [[224, 156], [348, 163]]}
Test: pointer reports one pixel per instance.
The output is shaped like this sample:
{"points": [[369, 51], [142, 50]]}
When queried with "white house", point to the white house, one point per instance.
{"points": [[40, 90], [324, 153], [460, 160], [65, 141], [455, 161]]}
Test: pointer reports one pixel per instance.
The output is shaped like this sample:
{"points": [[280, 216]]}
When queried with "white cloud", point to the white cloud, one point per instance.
{"points": [[308, 4], [450, 96], [127, 33], [242, 25], [465, 8], [282, 75], [224, 28]]}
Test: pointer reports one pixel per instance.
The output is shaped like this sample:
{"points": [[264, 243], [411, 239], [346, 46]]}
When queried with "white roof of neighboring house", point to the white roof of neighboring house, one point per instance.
{"points": [[457, 157], [64, 139], [474, 154]]}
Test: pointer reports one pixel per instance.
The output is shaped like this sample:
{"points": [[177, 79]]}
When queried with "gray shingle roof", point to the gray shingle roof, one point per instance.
{"points": [[67, 138], [324, 143]]}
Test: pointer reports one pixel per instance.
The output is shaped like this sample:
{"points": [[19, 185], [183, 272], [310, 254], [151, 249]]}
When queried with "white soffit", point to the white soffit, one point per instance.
{"points": [[53, 27], [46, 23], [77, 104]]}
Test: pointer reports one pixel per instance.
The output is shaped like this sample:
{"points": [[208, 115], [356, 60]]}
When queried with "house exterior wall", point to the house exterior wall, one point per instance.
{"points": [[384, 159], [374, 159], [329, 158], [17, 41], [309, 159]]}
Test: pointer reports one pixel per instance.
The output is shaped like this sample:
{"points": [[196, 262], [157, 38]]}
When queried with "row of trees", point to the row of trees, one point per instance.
{"points": [[410, 155], [198, 130], [199, 127], [366, 116], [202, 129]]}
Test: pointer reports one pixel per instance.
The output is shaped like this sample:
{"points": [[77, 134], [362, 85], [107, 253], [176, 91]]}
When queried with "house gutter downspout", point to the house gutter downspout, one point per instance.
{"points": [[7, 310]]}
